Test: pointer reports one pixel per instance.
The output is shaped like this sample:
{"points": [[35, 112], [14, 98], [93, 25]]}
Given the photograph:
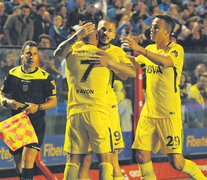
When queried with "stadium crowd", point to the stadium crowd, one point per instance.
{"points": [[22, 20]]}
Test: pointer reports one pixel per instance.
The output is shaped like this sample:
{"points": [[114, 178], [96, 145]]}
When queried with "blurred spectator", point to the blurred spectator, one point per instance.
{"points": [[124, 107], [191, 8], [70, 5], [204, 32], [202, 8], [153, 11], [79, 12], [8, 64], [195, 37], [199, 93], [114, 13], [62, 11], [127, 8], [184, 15], [185, 86], [141, 12], [199, 70], [174, 13], [47, 22], [9, 5], [18, 28], [44, 41], [39, 27], [199, 89], [57, 33], [3, 18], [45, 2], [51, 68], [165, 6], [16, 10], [126, 24], [33, 12], [94, 12]]}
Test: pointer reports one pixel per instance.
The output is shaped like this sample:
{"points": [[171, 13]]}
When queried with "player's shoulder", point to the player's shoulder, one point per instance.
{"points": [[77, 45], [116, 49], [151, 45], [173, 45]]}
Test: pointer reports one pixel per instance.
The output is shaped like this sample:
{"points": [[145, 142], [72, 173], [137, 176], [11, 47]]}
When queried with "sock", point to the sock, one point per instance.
{"points": [[118, 178], [105, 171], [191, 169], [147, 171], [18, 174], [71, 171], [27, 174]]}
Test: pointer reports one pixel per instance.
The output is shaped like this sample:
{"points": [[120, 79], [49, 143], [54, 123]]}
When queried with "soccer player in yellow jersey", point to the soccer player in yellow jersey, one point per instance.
{"points": [[107, 32], [160, 122], [88, 115]]}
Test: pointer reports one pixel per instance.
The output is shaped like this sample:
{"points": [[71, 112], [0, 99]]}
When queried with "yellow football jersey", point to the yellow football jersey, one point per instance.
{"points": [[162, 85], [87, 83], [121, 58]]}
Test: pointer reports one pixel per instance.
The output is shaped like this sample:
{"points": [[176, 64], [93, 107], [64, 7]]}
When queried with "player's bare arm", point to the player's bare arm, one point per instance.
{"points": [[122, 70], [161, 60], [64, 49], [135, 63]]}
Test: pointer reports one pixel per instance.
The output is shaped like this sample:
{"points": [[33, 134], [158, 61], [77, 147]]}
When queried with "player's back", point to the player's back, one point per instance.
{"points": [[87, 84]]}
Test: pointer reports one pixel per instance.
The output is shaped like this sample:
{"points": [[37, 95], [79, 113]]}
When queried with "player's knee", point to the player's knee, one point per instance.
{"points": [[177, 162], [106, 170], [142, 157]]}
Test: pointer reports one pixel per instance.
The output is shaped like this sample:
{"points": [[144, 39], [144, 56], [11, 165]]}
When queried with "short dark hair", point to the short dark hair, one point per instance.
{"points": [[43, 36], [28, 43], [25, 6], [169, 22], [40, 6]]}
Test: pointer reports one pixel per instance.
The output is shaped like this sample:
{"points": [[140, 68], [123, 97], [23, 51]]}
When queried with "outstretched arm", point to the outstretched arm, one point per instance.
{"points": [[122, 70], [64, 49], [165, 61]]}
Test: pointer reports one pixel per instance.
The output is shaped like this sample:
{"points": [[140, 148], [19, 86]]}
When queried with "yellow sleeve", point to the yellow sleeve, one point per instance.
{"points": [[177, 55]]}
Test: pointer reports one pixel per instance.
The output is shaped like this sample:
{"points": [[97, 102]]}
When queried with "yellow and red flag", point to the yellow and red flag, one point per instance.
{"points": [[17, 131]]}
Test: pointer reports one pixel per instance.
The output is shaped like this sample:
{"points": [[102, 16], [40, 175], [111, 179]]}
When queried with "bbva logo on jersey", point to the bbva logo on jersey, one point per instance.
{"points": [[153, 69]]}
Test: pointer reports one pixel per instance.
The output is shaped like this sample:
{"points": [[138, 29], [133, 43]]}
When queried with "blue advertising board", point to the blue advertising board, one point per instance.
{"points": [[53, 153]]}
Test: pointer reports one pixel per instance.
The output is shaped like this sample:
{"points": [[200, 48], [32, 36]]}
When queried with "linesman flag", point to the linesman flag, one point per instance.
{"points": [[17, 131]]}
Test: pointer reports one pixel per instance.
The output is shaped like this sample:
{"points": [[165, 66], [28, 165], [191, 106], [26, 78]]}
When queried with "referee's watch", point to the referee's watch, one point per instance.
{"points": [[39, 108]]}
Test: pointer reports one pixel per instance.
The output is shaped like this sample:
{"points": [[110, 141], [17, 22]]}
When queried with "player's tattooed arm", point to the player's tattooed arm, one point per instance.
{"points": [[64, 49]]}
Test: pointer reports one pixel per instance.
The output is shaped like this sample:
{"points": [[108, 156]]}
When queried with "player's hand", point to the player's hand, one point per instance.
{"points": [[12, 104], [84, 30], [101, 60], [31, 109], [129, 42]]}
